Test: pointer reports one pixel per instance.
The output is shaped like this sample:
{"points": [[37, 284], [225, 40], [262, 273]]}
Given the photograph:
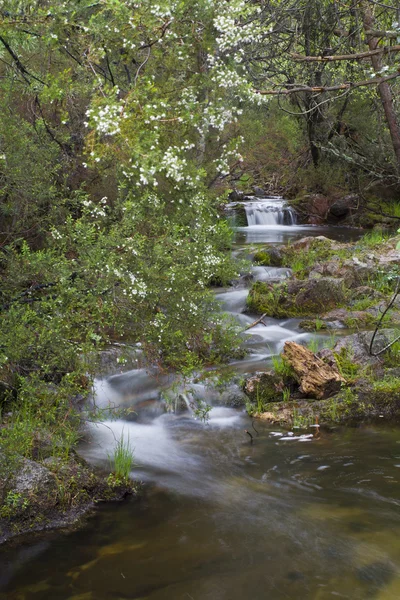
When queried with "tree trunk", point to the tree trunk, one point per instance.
{"points": [[384, 88]]}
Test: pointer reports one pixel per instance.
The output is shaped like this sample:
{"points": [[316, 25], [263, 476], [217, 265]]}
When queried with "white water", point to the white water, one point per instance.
{"points": [[269, 211]]}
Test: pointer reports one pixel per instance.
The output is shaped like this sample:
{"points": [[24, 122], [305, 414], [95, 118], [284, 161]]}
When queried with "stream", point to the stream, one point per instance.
{"points": [[291, 516]]}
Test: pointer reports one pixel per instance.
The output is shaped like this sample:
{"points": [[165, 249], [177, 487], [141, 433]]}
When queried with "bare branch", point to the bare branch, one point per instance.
{"points": [[332, 88], [357, 56], [391, 35]]}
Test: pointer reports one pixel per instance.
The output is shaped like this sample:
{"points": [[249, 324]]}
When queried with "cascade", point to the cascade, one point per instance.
{"points": [[269, 211]]}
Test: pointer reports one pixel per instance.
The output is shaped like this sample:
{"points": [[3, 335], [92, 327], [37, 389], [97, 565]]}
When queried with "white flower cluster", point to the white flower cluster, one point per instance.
{"points": [[228, 156], [133, 286], [235, 25], [173, 164], [106, 120], [216, 117], [55, 234], [162, 12]]}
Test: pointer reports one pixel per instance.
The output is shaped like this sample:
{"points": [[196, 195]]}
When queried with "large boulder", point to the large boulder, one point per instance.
{"points": [[342, 318], [354, 272], [235, 196], [269, 257], [118, 358], [316, 207], [259, 192]]}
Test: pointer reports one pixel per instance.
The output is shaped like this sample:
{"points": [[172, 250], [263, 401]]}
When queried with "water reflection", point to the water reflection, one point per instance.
{"points": [[275, 519], [281, 234]]}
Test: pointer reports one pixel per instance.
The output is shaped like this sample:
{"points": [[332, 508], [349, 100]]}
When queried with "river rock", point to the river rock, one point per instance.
{"points": [[320, 241], [259, 192], [235, 196], [358, 345], [296, 297], [342, 318], [33, 478], [264, 387], [118, 359], [353, 272], [270, 256], [317, 379], [315, 295], [233, 397], [343, 206]]}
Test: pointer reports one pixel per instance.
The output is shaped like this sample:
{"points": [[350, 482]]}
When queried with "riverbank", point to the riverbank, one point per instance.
{"points": [[55, 493], [342, 289]]}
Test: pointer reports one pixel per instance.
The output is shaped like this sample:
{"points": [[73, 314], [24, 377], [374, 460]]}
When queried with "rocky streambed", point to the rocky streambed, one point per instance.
{"points": [[336, 287]]}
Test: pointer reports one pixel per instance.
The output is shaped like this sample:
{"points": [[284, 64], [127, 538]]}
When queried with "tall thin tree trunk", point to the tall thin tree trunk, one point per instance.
{"points": [[385, 90]]}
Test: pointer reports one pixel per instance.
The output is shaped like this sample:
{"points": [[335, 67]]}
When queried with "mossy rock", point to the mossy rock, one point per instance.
{"points": [[272, 256], [262, 258], [264, 388], [296, 298]]}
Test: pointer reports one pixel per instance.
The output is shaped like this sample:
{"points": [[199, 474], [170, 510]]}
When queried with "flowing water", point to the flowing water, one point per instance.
{"points": [[301, 515]]}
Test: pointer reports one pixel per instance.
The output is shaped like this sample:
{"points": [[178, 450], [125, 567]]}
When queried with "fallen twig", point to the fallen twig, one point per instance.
{"points": [[257, 321]]}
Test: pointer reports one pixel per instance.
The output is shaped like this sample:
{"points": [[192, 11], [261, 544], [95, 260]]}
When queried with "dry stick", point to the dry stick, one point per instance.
{"points": [[397, 290], [260, 320], [251, 437]]}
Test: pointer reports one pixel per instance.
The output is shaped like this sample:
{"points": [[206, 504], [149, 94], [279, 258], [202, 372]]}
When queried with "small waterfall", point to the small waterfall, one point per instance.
{"points": [[269, 211]]}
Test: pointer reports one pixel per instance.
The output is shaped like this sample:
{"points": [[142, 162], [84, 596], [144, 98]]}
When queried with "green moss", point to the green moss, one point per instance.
{"points": [[363, 303], [264, 298], [262, 258], [388, 385], [346, 365], [364, 320]]}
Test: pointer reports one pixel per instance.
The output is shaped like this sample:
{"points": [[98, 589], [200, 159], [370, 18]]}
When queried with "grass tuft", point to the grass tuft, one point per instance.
{"points": [[122, 459]]}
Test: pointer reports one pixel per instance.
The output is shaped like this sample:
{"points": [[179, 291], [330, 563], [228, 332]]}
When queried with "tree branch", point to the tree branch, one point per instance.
{"points": [[357, 56], [332, 88], [392, 35], [24, 72]]}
